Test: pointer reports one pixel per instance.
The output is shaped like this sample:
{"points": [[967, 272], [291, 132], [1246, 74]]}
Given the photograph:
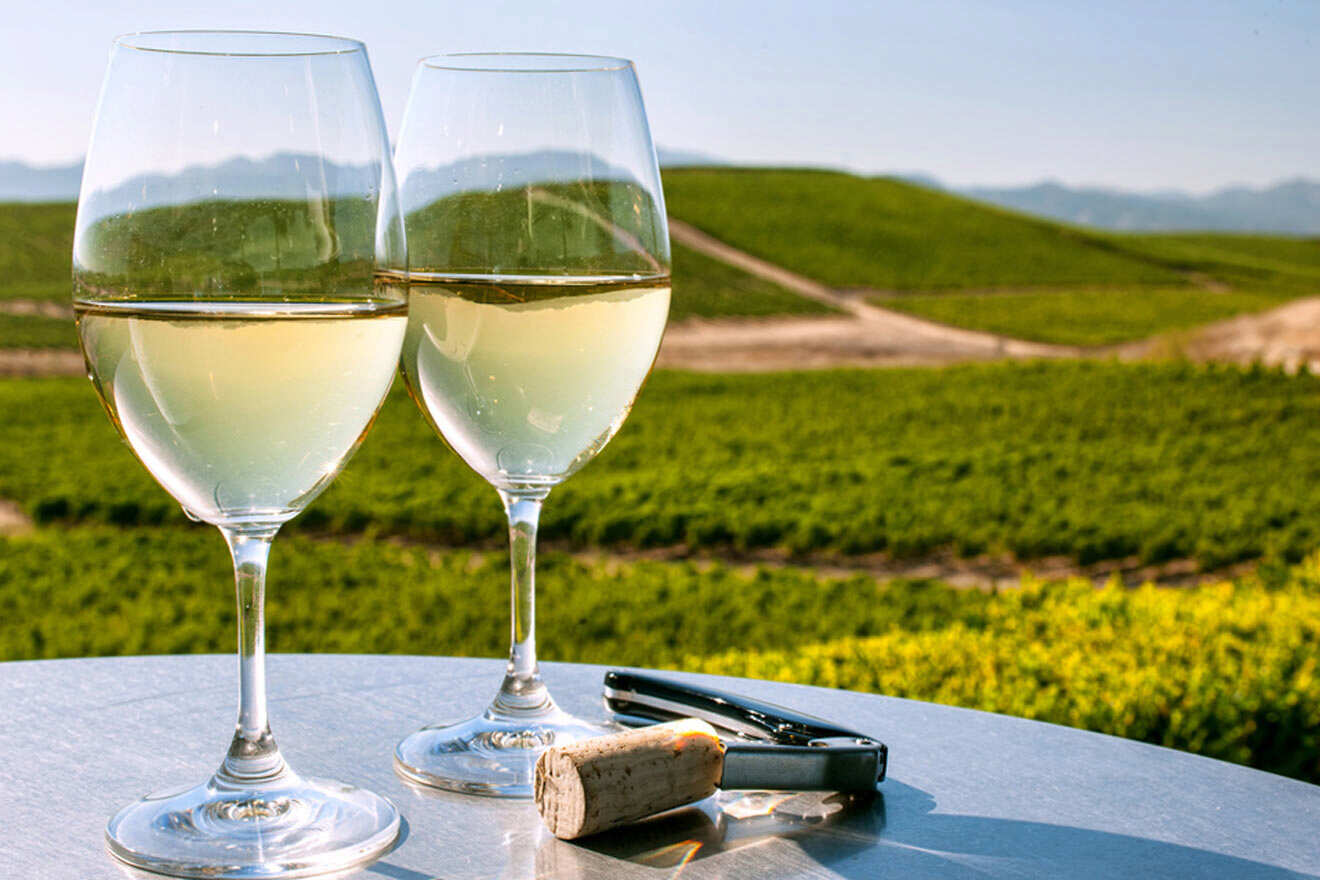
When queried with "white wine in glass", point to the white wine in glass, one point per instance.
{"points": [[236, 257], [191, 388], [539, 286], [527, 378]]}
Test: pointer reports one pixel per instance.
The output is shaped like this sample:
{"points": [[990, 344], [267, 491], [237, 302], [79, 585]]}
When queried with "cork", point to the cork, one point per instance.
{"points": [[597, 784]]}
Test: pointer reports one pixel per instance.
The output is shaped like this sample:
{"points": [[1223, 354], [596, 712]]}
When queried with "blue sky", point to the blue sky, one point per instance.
{"points": [[1139, 95]]}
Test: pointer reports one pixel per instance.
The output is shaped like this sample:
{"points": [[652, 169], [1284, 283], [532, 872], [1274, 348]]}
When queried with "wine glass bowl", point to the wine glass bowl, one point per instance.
{"points": [[236, 256], [539, 290]]}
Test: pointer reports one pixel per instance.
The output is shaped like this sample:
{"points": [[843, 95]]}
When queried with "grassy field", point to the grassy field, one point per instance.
{"points": [[1282, 262], [849, 231], [1092, 460], [706, 288], [1084, 316], [35, 243]]}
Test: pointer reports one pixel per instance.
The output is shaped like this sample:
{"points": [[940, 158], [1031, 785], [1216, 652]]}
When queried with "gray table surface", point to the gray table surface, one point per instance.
{"points": [[969, 794]]}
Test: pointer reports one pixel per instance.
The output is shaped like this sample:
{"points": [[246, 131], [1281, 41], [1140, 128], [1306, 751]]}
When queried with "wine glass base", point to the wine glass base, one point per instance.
{"points": [[291, 827], [492, 755]]}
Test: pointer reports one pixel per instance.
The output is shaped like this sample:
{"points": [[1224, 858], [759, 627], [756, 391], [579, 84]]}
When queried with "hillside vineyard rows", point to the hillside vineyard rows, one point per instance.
{"points": [[1091, 460], [1204, 468]]}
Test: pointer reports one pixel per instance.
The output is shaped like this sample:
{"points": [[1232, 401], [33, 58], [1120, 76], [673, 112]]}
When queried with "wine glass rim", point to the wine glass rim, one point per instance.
{"points": [[288, 44], [508, 62]]}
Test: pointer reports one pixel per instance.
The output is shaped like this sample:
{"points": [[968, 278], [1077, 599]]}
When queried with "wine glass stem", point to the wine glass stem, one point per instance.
{"points": [[522, 693], [253, 757]]}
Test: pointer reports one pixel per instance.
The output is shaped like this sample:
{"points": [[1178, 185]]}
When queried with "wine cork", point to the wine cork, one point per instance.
{"points": [[601, 783]]}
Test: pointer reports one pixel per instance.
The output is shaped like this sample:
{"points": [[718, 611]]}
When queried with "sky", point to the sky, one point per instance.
{"points": [[1134, 95]]}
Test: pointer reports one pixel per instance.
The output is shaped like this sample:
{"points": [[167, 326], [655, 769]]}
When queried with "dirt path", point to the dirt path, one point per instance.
{"points": [[873, 336], [1287, 336], [694, 238], [982, 572], [41, 362], [13, 521], [36, 307], [38, 361], [885, 339]]}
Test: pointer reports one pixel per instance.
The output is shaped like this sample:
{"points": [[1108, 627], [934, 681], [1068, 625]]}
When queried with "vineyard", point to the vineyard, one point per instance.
{"points": [[736, 522], [1089, 460]]}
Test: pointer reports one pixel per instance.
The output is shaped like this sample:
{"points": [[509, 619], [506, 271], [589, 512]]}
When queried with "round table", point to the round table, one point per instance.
{"points": [[969, 794]]}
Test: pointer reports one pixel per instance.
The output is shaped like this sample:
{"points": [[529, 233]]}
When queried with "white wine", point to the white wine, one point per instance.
{"points": [[527, 378], [244, 412]]}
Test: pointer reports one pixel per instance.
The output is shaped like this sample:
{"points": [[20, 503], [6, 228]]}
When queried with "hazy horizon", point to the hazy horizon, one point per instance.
{"points": [[915, 175]]}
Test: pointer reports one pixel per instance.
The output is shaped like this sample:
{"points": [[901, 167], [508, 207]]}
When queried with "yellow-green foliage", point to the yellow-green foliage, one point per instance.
{"points": [[1228, 671]]}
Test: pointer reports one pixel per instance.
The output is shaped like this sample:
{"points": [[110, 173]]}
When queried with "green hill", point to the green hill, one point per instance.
{"points": [[850, 231], [35, 244], [962, 262], [1272, 261]]}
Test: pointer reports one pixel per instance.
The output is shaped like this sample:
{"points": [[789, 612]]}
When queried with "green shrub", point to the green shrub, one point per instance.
{"points": [[1228, 671]]}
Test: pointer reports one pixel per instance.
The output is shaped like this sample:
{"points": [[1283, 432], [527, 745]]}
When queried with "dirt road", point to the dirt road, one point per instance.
{"points": [[872, 336]]}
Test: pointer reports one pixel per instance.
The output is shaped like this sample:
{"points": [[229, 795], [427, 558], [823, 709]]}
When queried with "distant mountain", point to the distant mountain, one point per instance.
{"points": [[506, 170], [281, 175], [20, 182], [689, 158], [1292, 206], [278, 176]]}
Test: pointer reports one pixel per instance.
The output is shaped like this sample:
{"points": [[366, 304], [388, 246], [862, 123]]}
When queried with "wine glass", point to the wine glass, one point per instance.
{"points": [[539, 290], [237, 219]]}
